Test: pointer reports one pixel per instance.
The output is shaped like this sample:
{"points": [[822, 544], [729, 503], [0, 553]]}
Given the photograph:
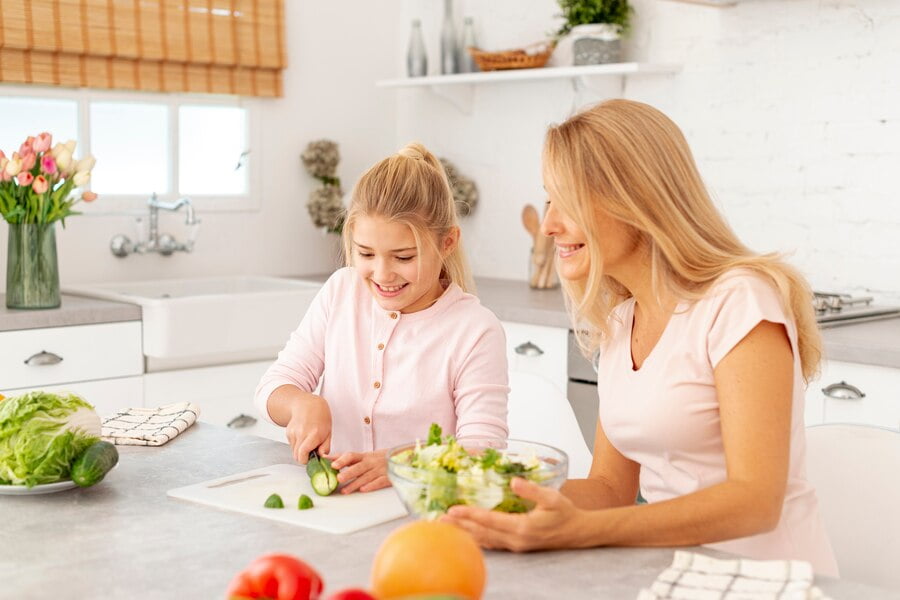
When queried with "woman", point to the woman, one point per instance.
{"points": [[704, 352]]}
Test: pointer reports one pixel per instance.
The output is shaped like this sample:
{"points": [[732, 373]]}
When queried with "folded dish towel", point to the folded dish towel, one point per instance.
{"points": [[149, 426], [698, 577]]}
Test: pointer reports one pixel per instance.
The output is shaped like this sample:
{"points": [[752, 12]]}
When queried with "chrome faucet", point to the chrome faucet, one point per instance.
{"points": [[164, 243]]}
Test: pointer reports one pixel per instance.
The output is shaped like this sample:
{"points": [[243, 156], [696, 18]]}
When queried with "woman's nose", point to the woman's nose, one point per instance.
{"points": [[550, 225]]}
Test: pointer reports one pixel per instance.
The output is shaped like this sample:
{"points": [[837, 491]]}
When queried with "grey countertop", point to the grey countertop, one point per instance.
{"points": [[73, 310], [125, 539]]}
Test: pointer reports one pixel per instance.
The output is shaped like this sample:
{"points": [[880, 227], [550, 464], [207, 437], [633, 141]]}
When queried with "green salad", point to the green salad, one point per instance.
{"points": [[442, 473]]}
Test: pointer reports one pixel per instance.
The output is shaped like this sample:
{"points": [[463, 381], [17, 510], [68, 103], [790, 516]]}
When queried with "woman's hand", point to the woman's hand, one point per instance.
{"points": [[554, 522], [309, 427], [365, 471]]}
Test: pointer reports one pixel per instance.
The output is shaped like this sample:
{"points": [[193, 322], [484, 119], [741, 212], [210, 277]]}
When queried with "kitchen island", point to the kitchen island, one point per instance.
{"points": [[124, 538]]}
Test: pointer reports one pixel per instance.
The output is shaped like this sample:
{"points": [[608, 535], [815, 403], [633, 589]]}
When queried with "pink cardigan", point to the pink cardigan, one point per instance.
{"points": [[387, 376]]}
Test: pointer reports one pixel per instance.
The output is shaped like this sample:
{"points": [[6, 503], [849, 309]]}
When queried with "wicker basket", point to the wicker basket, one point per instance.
{"points": [[530, 57]]}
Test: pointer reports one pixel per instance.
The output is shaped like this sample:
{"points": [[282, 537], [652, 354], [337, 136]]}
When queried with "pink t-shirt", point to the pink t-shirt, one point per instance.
{"points": [[665, 416], [387, 376]]}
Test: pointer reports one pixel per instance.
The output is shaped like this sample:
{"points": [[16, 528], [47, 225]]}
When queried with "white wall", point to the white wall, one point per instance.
{"points": [[333, 62], [792, 108]]}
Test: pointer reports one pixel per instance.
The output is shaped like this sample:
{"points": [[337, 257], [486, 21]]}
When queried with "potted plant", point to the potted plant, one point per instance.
{"points": [[37, 189], [597, 27]]}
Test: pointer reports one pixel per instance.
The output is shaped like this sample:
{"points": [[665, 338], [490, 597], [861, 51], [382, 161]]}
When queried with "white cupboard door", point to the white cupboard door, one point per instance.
{"points": [[36, 357], [858, 393], [107, 395], [539, 350]]}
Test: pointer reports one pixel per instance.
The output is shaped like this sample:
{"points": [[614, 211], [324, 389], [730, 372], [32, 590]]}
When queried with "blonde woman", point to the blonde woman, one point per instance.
{"points": [[704, 351], [396, 339]]}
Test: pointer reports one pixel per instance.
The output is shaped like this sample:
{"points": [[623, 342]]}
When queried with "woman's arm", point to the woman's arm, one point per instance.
{"points": [[613, 480], [754, 383]]}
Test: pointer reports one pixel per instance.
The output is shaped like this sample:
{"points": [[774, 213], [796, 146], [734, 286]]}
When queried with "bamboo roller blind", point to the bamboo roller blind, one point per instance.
{"points": [[212, 46]]}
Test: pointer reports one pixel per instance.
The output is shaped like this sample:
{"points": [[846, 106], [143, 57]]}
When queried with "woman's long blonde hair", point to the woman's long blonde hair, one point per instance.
{"points": [[628, 159], [411, 188]]}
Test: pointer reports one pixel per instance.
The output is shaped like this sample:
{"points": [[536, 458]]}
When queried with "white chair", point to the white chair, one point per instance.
{"points": [[856, 472], [539, 412]]}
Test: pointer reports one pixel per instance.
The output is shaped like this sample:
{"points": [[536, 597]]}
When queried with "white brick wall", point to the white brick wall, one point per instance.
{"points": [[792, 108]]}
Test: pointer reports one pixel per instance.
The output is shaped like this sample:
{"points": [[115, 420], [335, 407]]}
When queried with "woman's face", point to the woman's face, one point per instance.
{"points": [[400, 276], [616, 243]]}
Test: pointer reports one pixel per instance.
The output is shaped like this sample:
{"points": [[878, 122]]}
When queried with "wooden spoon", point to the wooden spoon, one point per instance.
{"points": [[532, 220]]}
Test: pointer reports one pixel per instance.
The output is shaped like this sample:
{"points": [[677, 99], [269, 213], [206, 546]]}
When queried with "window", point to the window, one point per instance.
{"points": [[170, 145]]}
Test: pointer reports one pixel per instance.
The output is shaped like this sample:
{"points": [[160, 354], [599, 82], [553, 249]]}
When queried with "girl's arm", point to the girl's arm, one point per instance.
{"points": [[481, 390], [754, 383]]}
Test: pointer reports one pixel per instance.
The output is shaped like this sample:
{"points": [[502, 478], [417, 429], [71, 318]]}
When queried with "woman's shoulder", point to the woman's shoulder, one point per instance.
{"points": [[744, 290]]}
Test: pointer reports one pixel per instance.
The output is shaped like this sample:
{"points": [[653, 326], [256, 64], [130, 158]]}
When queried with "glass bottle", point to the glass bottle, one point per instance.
{"points": [[416, 59], [449, 50], [466, 62]]}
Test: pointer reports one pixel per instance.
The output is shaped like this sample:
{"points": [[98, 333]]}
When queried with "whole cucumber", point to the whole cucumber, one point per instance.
{"points": [[94, 463]]}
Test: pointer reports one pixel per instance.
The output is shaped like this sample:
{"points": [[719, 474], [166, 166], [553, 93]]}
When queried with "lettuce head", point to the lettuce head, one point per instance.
{"points": [[41, 434]]}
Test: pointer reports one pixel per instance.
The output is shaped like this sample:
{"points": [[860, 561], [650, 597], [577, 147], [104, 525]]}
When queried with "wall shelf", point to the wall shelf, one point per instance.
{"points": [[458, 89]]}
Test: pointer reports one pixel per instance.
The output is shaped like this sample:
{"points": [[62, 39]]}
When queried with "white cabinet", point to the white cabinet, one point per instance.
{"points": [[102, 363], [222, 393], [854, 393], [539, 350], [107, 395]]}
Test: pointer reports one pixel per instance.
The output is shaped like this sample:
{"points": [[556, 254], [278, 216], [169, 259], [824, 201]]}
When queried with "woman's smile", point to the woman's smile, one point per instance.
{"points": [[566, 250]]}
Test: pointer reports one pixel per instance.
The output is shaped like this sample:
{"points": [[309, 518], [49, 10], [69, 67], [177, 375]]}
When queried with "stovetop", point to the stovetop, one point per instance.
{"points": [[836, 309]]}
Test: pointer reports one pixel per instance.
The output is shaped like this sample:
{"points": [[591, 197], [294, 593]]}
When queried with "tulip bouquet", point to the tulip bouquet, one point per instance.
{"points": [[36, 183]]}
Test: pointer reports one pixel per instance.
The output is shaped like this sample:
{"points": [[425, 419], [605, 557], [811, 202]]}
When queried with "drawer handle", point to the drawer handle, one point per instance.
{"points": [[529, 349], [43, 358], [241, 420], [843, 391]]}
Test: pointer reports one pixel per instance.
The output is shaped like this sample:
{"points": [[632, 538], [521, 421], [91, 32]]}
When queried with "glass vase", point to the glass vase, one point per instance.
{"points": [[32, 271]]}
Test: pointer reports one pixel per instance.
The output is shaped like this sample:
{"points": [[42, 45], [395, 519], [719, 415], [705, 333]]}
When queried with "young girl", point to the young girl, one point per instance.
{"points": [[704, 351], [395, 338]]}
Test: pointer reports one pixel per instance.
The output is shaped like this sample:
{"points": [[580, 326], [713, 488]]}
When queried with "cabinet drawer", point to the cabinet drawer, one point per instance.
{"points": [[107, 395], [38, 357], [880, 404], [538, 349]]}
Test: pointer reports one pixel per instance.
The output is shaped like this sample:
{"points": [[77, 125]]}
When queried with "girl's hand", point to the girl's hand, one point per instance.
{"points": [[365, 471], [553, 523], [309, 428]]}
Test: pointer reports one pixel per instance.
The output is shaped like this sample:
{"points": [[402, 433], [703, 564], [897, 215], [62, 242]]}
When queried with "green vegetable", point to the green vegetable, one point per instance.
{"points": [[94, 463], [322, 476], [41, 434], [304, 502], [443, 473], [274, 501]]}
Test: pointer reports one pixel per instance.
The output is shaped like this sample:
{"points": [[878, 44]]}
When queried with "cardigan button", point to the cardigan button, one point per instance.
{"points": [[393, 315], [377, 385], [367, 420]]}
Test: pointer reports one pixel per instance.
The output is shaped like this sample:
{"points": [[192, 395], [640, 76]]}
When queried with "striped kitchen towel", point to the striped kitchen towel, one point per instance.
{"points": [[149, 426], [698, 577]]}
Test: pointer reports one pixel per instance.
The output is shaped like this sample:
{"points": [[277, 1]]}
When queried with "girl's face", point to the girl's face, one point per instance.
{"points": [[616, 243], [400, 276]]}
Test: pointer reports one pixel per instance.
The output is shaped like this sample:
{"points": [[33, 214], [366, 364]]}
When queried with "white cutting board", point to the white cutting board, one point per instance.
{"points": [[338, 513]]}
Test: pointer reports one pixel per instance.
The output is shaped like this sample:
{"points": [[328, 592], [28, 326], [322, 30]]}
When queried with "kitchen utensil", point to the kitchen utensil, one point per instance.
{"points": [[532, 220], [338, 513]]}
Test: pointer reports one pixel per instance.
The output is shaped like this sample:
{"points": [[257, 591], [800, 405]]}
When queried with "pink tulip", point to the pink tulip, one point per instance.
{"points": [[4, 176], [28, 161], [48, 164], [40, 185], [2, 155], [25, 178], [88, 196], [42, 142], [27, 146]]}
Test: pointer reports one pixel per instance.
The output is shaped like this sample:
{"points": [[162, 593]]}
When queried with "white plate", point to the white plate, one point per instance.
{"points": [[44, 488]]}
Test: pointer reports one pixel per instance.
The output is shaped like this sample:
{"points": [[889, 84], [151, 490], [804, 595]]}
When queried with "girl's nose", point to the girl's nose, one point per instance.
{"points": [[383, 272]]}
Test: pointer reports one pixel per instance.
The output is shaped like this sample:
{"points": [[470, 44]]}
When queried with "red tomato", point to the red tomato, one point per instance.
{"points": [[276, 576], [352, 594]]}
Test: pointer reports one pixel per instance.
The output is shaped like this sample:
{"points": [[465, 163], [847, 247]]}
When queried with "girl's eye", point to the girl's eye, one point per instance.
{"points": [[405, 258], [365, 255]]}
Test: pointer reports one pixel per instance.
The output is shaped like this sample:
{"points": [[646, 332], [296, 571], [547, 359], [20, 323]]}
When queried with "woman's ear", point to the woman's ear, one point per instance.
{"points": [[450, 241]]}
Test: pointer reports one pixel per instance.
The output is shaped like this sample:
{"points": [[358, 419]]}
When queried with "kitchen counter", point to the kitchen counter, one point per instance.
{"points": [[125, 539], [74, 310], [872, 342]]}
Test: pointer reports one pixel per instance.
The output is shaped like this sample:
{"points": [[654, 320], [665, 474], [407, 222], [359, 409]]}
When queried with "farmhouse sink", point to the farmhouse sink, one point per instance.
{"points": [[210, 320]]}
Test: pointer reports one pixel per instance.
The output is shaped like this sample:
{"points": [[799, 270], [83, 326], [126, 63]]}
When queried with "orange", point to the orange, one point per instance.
{"points": [[428, 557]]}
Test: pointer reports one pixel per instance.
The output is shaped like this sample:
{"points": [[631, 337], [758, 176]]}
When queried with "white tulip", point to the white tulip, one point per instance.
{"points": [[14, 165], [85, 164], [70, 146], [81, 178], [64, 158]]}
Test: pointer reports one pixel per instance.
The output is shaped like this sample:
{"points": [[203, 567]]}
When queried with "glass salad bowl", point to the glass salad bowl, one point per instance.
{"points": [[432, 477]]}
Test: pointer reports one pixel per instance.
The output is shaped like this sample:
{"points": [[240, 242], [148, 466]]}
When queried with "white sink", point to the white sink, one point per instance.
{"points": [[197, 321]]}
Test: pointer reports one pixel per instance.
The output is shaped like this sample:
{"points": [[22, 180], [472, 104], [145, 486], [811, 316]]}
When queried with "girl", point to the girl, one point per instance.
{"points": [[704, 351], [395, 338]]}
